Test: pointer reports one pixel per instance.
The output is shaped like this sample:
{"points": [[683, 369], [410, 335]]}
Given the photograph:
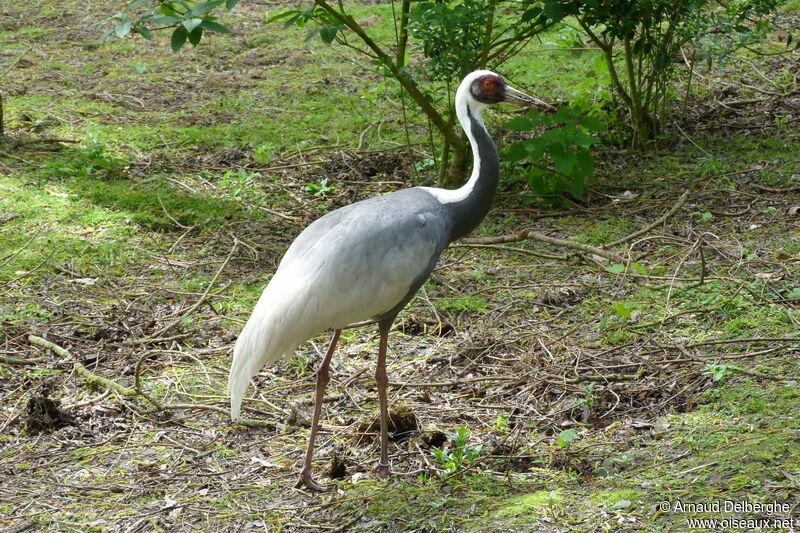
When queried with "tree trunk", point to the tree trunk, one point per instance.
{"points": [[453, 171], [455, 174], [445, 127]]}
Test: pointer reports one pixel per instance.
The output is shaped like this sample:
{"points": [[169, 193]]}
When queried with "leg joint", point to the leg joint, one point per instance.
{"points": [[381, 378], [323, 375]]}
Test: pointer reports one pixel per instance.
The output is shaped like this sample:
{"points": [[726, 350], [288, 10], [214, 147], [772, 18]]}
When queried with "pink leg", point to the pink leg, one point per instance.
{"points": [[383, 469], [323, 377]]}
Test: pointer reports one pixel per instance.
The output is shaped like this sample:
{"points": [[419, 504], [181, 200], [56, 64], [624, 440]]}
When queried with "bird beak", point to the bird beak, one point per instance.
{"points": [[513, 96]]}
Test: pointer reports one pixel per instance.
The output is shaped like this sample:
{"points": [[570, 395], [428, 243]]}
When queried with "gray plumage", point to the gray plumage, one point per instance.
{"points": [[367, 260]]}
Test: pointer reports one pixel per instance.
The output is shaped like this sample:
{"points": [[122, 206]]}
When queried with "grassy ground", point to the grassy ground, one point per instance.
{"points": [[585, 396]]}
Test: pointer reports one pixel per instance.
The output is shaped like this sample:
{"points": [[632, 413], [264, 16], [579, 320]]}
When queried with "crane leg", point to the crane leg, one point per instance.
{"points": [[383, 469], [323, 377]]}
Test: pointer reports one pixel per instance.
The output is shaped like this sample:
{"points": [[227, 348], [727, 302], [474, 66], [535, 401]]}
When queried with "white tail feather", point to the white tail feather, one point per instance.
{"points": [[276, 327]]}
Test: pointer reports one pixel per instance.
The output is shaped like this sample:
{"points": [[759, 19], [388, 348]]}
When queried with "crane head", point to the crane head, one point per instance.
{"points": [[487, 87]]}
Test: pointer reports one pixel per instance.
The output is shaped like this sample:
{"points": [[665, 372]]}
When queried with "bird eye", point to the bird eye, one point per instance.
{"points": [[489, 84]]}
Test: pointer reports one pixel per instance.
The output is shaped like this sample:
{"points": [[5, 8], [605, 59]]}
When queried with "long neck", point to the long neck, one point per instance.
{"points": [[474, 199]]}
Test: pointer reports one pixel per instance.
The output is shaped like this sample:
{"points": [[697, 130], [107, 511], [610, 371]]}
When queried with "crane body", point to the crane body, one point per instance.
{"points": [[366, 261], [326, 281]]}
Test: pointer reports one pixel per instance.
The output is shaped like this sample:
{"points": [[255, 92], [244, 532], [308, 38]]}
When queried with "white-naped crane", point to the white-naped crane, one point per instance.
{"points": [[366, 261]]}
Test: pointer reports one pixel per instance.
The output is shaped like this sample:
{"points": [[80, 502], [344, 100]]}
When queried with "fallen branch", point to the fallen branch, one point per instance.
{"points": [[88, 375], [535, 236], [492, 242], [599, 378], [745, 339], [154, 340], [663, 218], [21, 361], [43, 140], [100, 381], [452, 383], [511, 249], [772, 189], [762, 375]]}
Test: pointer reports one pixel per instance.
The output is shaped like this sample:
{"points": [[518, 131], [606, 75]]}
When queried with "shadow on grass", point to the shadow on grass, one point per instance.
{"points": [[157, 202]]}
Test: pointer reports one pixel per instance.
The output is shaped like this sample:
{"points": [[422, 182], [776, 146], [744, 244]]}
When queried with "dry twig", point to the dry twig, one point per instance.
{"points": [[535, 236], [663, 218]]}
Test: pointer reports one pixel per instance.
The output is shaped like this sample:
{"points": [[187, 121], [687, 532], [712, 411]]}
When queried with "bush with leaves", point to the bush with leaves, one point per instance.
{"points": [[187, 20], [648, 36], [454, 38], [459, 454], [450, 35], [558, 161]]}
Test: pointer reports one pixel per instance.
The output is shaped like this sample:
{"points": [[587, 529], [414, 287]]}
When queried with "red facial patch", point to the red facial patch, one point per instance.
{"points": [[488, 89], [490, 83]]}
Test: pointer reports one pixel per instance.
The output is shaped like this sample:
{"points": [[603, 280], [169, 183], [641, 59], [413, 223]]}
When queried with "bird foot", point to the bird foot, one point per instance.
{"points": [[306, 480]]}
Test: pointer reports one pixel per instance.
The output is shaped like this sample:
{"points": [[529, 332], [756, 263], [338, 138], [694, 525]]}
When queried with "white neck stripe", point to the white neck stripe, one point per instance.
{"points": [[465, 105]]}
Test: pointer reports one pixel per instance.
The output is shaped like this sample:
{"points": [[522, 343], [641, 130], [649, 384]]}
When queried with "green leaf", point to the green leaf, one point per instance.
{"points": [[621, 310], [105, 35], [592, 124], [537, 182], [794, 294], [616, 268], [195, 35], [229, 4], [554, 11], [556, 135], [519, 124], [516, 152], [536, 148], [531, 13], [144, 32], [328, 33], [140, 68], [585, 162], [600, 65], [565, 114], [639, 269], [123, 28], [205, 7], [178, 39], [576, 188], [564, 160], [282, 15], [535, 115], [168, 20], [565, 437], [192, 23], [580, 138], [210, 25], [293, 17], [312, 34]]}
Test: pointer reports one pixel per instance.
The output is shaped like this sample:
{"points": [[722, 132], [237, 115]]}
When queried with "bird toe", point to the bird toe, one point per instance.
{"points": [[305, 480]]}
